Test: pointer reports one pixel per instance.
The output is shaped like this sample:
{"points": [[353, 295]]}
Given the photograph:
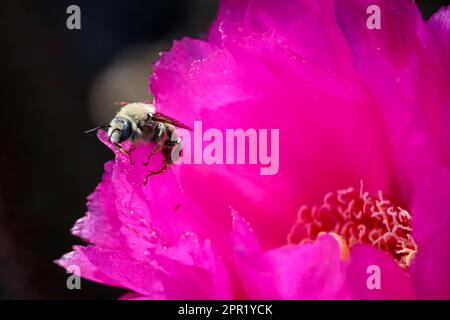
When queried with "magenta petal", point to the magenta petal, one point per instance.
{"points": [[431, 225], [186, 271], [292, 23], [101, 225], [245, 242], [399, 65], [311, 271], [121, 267], [156, 213], [439, 25], [307, 27], [190, 69], [192, 270], [136, 231], [394, 282], [75, 259]]}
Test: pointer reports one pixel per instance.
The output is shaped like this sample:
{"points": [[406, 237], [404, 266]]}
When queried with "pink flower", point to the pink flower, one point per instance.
{"points": [[363, 181]]}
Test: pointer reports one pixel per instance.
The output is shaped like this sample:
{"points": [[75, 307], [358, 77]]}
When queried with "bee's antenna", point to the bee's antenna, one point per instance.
{"points": [[96, 128]]}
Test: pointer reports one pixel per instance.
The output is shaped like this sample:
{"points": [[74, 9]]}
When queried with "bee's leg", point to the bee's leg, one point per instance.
{"points": [[173, 150], [132, 148], [158, 138], [152, 173], [156, 149], [118, 146], [167, 151]]}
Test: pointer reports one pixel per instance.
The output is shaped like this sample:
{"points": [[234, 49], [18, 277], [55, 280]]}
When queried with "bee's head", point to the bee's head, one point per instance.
{"points": [[119, 130]]}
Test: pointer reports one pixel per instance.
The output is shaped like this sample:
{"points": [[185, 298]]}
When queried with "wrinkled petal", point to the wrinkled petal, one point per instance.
{"points": [[75, 260], [102, 264], [189, 270], [292, 23], [101, 225]]}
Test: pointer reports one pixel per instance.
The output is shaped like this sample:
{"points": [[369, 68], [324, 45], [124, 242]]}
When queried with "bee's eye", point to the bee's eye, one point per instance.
{"points": [[120, 131], [126, 130]]}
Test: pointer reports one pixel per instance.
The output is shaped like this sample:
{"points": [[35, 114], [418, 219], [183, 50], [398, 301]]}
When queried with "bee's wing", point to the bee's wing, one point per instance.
{"points": [[158, 116]]}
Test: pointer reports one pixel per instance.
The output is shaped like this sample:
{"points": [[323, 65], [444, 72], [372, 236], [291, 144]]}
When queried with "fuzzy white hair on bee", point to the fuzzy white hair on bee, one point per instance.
{"points": [[132, 121]]}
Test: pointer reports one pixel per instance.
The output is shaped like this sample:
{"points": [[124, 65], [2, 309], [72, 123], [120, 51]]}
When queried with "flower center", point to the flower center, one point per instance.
{"points": [[358, 218]]}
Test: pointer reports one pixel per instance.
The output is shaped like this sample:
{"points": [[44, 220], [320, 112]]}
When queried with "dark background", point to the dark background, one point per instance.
{"points": [[56, 83]]}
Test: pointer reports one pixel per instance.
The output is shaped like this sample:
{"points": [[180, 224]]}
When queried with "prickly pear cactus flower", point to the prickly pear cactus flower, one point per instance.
{"points": [[356, 202]]}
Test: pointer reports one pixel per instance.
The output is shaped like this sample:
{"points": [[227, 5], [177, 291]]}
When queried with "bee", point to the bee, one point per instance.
{"points": [[140, 122]]}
